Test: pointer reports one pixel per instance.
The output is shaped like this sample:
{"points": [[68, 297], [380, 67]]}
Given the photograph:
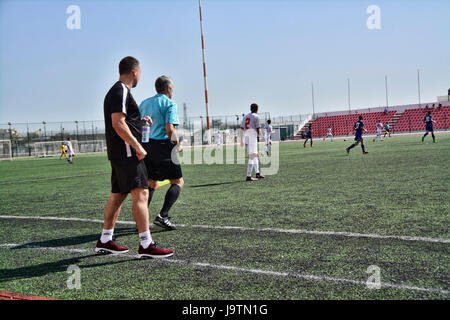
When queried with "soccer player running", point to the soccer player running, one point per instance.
{"points": [[250, 131], [429, 126], [379, 127], [162, 160], [70, 150], [359, 128], [387, 130], [218, 140], [308, 137], [329, 134], [268, 130], [123, 134], [63, 150]]}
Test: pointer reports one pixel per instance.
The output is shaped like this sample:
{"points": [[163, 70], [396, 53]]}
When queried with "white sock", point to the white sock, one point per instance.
{"points": [[256, 164], [250, 167], [146, 239], [106, 235]]}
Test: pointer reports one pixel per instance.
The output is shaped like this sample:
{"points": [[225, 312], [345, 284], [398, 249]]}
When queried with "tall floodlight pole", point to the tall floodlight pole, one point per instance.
{"points": [[185, 115], [386, 87], [418, 84], [204, 65], [45, 130], [312, 92], [348, 86]]}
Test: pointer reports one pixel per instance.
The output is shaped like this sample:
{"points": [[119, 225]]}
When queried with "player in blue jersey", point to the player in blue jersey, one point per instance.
{"points": [[387, 130], [429, 126], [359, 129], [308, 136]]}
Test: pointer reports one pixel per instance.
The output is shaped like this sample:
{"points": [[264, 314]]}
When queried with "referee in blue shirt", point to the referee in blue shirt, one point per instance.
{"points": [[162, 149]]}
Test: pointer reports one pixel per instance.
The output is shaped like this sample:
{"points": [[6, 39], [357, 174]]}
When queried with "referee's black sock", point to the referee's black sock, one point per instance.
{"points": [[171, 196], [150, 195]]}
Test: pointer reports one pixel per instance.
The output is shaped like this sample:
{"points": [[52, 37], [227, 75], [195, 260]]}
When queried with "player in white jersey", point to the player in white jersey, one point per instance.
{"points": [[379, 127], [250, 131], [218, 139], [70, 152], [329, 134], [268, 130]]}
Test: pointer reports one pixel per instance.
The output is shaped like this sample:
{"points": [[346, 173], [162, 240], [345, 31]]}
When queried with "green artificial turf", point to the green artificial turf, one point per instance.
{"points": [[401, 188]]}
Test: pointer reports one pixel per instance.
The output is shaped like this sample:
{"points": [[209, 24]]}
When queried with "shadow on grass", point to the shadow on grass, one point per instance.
{"points": [[43, 269], [215, 184], [70, 241]]}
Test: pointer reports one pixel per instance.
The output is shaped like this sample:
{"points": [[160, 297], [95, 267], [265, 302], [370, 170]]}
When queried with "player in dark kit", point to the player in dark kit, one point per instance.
{"points": [[429, 126], [308, 137], [359, 128], [123, 134]]}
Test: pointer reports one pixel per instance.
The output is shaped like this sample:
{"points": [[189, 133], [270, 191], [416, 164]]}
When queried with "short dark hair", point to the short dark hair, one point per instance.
{"points": [[269, 121], [68, 138], [127, 65], [162, 83], [360, 117], [254, 107], [429, 112]]}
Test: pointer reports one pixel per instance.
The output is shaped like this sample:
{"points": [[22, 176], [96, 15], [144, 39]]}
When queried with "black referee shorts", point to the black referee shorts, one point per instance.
{"points": [[128, 174], [159, 162]]}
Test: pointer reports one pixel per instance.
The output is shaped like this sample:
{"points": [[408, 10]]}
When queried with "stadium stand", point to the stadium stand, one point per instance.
{"points": [[408, 120], [412, 119], [343, 124]]}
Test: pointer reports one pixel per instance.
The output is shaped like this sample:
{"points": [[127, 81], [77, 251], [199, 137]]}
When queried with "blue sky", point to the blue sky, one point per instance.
{"points": [[266, 52]]}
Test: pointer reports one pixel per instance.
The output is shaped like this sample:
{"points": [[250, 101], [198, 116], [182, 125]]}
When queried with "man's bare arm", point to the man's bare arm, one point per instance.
{"points": [[121, 127], [172, 133]]}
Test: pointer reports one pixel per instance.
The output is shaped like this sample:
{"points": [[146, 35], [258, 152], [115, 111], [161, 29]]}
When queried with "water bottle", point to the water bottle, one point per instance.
{"points": [[146, 132]]}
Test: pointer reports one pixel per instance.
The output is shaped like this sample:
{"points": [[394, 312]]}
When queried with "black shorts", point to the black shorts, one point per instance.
{"points": [[159, 162], [128, 174]]}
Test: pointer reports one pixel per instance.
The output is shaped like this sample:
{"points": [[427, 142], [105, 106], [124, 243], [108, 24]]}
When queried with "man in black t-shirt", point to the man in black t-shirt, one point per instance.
{"points": [[129, 175]]}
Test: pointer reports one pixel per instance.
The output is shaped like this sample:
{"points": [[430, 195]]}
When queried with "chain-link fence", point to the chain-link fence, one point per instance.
{"points": [[40, 139], [24, 136]]}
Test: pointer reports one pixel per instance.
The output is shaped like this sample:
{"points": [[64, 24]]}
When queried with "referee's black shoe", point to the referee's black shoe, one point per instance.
{"points": [[164, 222]]}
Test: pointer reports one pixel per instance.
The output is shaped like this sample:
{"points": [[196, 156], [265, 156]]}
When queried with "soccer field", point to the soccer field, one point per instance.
{"points": [[309, 232]]}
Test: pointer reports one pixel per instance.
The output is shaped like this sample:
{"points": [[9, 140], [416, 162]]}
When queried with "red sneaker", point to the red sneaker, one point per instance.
{"points": [[110, 247], [153, 251], [259, 176]]}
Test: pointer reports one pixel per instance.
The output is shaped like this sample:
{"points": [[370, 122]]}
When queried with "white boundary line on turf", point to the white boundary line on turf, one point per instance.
{"points": [[291, 231], [239, 269], [55, 178]]}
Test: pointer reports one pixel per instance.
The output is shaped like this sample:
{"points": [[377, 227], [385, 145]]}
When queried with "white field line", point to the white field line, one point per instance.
{"points": [[238, 269], [290, 231], [56, 178]]}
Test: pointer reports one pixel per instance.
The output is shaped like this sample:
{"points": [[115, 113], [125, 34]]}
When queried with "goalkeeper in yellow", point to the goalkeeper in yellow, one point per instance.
{"points": [[63, 150]]}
